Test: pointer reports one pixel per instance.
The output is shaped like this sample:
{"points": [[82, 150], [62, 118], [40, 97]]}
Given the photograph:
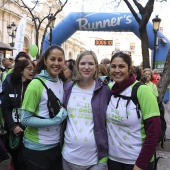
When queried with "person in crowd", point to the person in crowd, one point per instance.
{"points": [[35, 61], [42, 134], [68, 69], [147, 72], [7, 65], [105, 61], [137, 72], [155, 77], [12, 60], [21, 56], [132, 138], [102, 70], [85, 138], [108, 69], [13, 97]]}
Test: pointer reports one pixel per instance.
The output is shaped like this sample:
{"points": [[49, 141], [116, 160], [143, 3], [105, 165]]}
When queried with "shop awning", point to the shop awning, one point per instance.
{"points": [[4, 46]]}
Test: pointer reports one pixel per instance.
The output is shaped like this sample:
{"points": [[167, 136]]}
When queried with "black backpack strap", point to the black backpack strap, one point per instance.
{"points": [[42, 82], [135, 98], [46, 89], [128, 98]]}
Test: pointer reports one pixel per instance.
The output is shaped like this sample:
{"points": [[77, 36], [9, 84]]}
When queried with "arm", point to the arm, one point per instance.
{"points": [[152, 127], [27, 119], [7, 108]]}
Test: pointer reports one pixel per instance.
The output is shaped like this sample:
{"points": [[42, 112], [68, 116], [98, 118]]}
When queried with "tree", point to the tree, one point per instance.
{"points": [[165, 78], [145, 13], [3, 2], [37, 20]]}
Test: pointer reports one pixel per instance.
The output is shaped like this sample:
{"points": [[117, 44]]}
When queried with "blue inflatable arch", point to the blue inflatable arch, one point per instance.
{"points": [[116, 22]]}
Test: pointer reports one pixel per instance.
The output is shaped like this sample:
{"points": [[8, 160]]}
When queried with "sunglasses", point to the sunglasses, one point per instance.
{"points": [[122, 52]]}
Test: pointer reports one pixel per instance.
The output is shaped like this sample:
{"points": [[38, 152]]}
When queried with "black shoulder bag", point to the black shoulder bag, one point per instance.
{"points": [[15, 141], [53, 102]]}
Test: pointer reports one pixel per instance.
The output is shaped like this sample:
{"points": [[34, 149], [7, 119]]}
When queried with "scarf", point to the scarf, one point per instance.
{"points": [[118, 89], [44, 74]]}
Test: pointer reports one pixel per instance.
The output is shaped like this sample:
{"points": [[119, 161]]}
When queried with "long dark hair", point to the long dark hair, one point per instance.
{"points": [[16, 76], [41, 65], [21, 54]]}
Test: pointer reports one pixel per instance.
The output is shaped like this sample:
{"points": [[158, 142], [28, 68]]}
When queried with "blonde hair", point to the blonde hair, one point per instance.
{"points": [[148, 69], [76, 74]]}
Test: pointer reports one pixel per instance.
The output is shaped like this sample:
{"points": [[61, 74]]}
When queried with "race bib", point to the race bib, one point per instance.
{"points": [[14, 115]]}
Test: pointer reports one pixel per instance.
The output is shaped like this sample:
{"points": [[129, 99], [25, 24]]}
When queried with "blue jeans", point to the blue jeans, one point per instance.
{"points": [[70, 166]]}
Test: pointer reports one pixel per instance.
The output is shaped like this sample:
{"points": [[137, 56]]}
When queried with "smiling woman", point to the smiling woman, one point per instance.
{"points": [[132, 138], [42, 135], [85, 140]]}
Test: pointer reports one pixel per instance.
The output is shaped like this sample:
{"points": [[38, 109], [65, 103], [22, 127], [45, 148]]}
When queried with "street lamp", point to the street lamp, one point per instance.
{"points": [[11, 29], [156, 23], [51, 20]]}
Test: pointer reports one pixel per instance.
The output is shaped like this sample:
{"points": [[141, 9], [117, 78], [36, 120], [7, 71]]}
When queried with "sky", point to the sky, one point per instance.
{"points": [[106, 6]]}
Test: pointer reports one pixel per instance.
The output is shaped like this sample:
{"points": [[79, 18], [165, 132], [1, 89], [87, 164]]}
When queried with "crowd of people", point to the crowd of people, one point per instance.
{"points": [[95, 128]]}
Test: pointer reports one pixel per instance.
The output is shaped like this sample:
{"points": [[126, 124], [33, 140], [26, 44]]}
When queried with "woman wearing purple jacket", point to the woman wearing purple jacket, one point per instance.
{"points": [[86, 99]]}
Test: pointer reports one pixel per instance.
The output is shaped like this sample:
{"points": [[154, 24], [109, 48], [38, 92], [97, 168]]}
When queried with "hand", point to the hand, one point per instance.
{"points": [[136, 168], [61, 115], [17, 130], [104, 79]]}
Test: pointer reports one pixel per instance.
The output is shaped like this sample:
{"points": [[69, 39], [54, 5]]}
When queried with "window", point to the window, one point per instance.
{"points": [[132, 48], [117, 45], [161, 29], [70, 55]]}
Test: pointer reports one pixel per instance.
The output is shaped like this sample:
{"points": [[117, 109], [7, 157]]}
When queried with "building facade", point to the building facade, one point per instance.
{"points": [[11, 12]]}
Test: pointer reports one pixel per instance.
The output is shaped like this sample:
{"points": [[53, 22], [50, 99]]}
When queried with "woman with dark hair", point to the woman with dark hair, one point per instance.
{"points": [[132, 134], [102, 70], [22, 56], [68, 69], [14, 93], [42, 134]]}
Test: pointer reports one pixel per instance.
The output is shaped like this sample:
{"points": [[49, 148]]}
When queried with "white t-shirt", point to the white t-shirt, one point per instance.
{"points": [[35, 101], [126, 131], [79, 143]]}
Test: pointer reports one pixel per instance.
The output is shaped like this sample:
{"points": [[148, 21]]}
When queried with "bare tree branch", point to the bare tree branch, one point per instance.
{"points": [[133, 11], [147, 14], [139, 6], [37, 21], [3, 2]]}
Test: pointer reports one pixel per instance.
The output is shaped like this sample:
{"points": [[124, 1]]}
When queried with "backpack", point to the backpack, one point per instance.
{"points": [[53, 102], [134, 98]]}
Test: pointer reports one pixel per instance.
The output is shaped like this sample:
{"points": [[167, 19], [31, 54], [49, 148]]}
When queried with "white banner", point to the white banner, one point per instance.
{"points": [[19, 39]]}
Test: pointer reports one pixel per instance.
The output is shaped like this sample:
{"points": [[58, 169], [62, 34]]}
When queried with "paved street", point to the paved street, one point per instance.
{"points": [[164, 162]]}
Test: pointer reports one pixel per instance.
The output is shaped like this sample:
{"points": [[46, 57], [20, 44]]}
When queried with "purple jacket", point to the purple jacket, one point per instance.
{"points": [[99, 102]]}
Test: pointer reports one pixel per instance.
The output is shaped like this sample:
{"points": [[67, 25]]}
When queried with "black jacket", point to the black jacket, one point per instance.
{"points": [[9, 102]]}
